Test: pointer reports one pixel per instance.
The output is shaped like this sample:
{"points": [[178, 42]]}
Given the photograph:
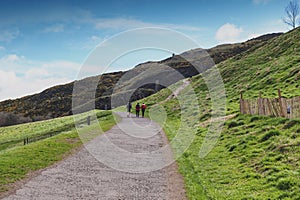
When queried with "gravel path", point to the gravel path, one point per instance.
{"points": [[82, 176], [174, 94]]}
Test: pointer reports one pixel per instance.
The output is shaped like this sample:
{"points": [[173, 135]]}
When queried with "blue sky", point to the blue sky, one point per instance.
{"points": [[43, 43]]}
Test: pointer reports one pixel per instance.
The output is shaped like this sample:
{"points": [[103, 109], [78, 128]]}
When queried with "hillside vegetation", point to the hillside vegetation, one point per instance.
{"points": [[57, 101], [255, 157]]}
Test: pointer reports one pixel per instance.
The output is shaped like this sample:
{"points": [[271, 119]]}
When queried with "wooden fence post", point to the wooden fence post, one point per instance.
{"points": [[88, 120], [282, 113], [26, 141], [259, 104], [241, 103]]}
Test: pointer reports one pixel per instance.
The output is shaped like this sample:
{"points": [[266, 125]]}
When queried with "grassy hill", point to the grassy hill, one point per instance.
{"points": [[49, 141], [255, 157], [57, 101]]}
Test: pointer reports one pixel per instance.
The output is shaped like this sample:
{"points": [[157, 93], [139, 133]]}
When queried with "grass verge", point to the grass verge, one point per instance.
{"points": [[19, 161]]}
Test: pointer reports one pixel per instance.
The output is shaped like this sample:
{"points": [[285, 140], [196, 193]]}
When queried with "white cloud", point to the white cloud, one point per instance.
{"points": [[119, 23], [12, 58], [275, 26], [57, 28], [2, 48], [229, 33], [21, 65], [260, 1], [13, 86], [95, 38], [20, 76], [92, 42], [37, 73], [124, 23], [61, 65], [7, 35]]}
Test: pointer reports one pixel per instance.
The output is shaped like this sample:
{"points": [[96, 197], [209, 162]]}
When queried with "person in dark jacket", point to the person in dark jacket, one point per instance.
{"points": [[129, 106], [137, 110]]}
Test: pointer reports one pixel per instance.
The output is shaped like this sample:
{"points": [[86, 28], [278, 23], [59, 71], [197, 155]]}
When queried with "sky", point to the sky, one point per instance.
{"points": [[44, 43]]}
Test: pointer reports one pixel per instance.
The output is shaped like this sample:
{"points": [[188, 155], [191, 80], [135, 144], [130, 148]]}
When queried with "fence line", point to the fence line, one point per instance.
{"points": [[277, 107]]}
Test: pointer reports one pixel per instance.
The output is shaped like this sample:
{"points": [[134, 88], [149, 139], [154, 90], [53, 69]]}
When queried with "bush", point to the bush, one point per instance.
{"points": [[205, 117], [290, 124], [232, 148], [269, 134], [284, 196], [243, 159], [285, 184], [9, 119], [233, 124], [255, 118], [200, 130]]}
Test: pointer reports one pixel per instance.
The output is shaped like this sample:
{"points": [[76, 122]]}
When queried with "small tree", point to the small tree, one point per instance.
{"points": [[292, 12]]}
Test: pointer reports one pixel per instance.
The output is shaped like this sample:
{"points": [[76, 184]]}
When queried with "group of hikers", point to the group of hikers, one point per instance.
{"points": [[138, 108]]}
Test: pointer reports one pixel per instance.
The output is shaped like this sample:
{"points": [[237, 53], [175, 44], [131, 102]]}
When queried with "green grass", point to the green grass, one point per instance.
{"points": [[17, 162], [14, 135], [253, 160], [255, 157]]}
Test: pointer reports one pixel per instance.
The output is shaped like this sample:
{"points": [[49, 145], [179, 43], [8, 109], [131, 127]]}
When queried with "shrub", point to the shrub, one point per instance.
{"points": [[231, 148], [205, 116], [290, 124], [243, 159], [255, 118], [9, 119], [269, 134], [285, 184], [284, 196], [234, 124], [200, 130]]}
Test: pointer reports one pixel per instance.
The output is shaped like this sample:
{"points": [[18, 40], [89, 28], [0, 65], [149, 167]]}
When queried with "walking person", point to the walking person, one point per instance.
{"points": [[137, 109], [129, 106], [143, 109]]}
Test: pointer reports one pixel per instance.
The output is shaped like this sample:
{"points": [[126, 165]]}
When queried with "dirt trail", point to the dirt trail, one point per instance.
{"points": [[209, 121], [81, 176], [174, 94]]}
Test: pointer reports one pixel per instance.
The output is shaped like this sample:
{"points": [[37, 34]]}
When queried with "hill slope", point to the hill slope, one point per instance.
{"points": [[57, 101], [255, 157]]}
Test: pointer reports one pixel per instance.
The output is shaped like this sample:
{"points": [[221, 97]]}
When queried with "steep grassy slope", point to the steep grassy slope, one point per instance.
{"points": [[270, 67], [255, 157], [273, 66]]}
